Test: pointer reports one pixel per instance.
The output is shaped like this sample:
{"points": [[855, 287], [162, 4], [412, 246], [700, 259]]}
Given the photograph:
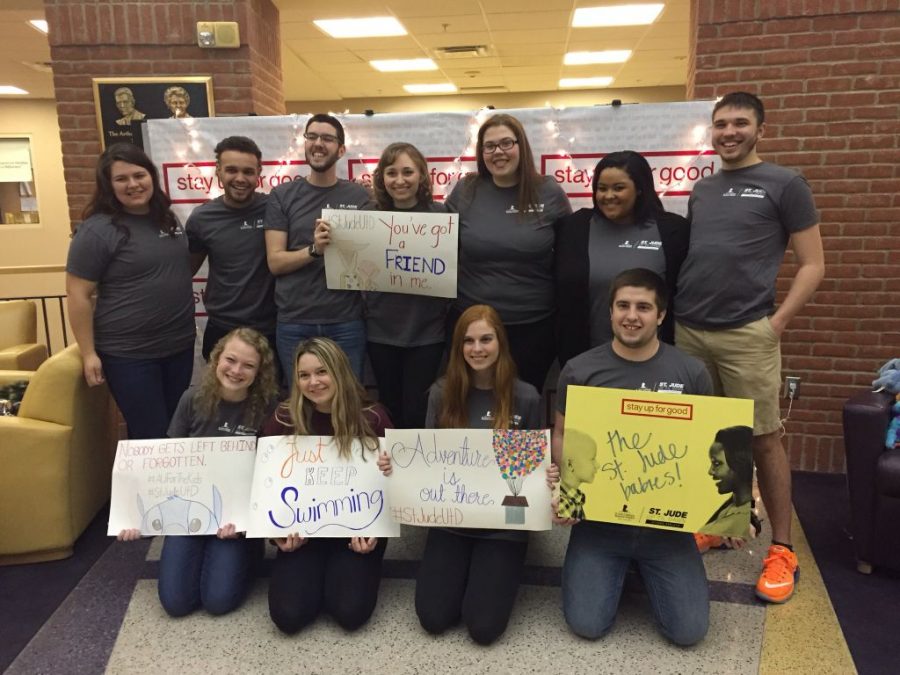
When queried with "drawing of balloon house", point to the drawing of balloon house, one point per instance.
{"points": [[518, 454]]}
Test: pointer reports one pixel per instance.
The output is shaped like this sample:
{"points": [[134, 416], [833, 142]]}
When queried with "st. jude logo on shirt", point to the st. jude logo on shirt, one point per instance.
{"points": [[534, 208], [255, 225]]}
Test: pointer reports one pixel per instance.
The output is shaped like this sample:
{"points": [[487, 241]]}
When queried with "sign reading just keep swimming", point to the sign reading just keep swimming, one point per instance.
{"points": [[302, 485], [394, 251]]}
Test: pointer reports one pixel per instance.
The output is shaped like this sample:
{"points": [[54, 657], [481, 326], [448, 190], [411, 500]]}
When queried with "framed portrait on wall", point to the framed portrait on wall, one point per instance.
{"points": [[122, 103]]}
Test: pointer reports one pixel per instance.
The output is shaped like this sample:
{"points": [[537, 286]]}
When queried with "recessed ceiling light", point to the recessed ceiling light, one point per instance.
{"points": [[585, 82], [444, 88], [40, 25], [373, 26], [616, 15], [9, 89], [608, 56], [400, 65]]}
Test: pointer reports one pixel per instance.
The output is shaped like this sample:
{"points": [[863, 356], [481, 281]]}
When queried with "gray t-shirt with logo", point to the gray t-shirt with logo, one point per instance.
{"points": [[612, 249], [145, 300], [506, 257], [526, 409], [741, 222], [302, 295], [669, 370], [405, 320], [228, 420], [240, 289]]}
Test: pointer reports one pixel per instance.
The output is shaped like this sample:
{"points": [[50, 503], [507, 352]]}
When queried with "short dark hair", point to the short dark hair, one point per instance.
{"points": [[742, 99], [327, 119], [641, 278], [647, 203], [737, 446], [238, 144]]}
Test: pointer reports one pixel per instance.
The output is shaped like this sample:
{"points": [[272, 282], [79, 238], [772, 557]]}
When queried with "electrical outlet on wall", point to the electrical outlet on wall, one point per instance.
{"points": [[791, 387]]}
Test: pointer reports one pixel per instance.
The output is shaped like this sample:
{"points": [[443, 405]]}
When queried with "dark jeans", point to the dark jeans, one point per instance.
{"points": [[349, 335], [324, 574], [403, 376], [147, 391], [206, 572], [214, 332], [532, 345], [472, 578]]}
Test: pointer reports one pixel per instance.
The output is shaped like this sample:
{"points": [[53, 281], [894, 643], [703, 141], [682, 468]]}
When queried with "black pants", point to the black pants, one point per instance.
{"points": [[403, 376], [472, 578], [324, 575], [214, 332], [532, 345]]}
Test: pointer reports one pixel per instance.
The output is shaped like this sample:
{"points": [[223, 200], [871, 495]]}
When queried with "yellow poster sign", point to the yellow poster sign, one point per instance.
{"points": [[668, 461]]}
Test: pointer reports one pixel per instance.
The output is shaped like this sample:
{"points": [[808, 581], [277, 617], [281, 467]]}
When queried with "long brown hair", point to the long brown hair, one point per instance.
{"points": [[347, 407], [261, 394], [528, 177], [389, 156], [458, 381]]}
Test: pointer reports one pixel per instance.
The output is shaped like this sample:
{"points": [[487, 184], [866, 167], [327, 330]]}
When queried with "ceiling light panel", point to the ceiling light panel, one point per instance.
{"points": [[442, 88], [39, 24], [402, 65], [373, 26], [585, 82], [608, 56], [8, 89], [616, 15]]}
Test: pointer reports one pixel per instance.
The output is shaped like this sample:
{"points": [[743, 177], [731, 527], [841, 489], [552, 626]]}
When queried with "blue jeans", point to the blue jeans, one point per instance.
{"points": [[670, 564], [350, 336], [147, 391], [206, 571]]}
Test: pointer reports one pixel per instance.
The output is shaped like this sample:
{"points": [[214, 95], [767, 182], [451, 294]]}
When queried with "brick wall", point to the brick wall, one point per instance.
{"points": [[112, 38], [828, 72]]}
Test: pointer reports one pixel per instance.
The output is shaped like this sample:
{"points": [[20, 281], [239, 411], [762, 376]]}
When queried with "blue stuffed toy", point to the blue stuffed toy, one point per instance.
{"points": [[892, 440], [888, 378]]}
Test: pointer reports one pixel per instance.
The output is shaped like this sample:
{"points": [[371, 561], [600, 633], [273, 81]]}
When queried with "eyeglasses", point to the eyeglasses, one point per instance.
{"points": [[505, 144], [325, 138]]}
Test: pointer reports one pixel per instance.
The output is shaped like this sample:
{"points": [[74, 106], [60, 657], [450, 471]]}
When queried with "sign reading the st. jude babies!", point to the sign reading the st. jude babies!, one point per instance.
{"points": [[302, 485], [668, 461], [181, 486], [470, 478], [395, 251]]}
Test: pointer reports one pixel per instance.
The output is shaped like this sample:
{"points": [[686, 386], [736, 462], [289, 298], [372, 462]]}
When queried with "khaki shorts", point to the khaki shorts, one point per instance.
{"points": [[743, 362]]}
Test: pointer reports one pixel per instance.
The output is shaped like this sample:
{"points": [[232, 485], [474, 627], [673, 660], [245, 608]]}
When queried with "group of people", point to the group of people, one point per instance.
{"points": [[536, 283]]}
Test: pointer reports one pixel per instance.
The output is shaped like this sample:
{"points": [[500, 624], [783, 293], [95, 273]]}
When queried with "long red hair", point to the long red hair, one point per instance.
{"points": [[458, 381]]}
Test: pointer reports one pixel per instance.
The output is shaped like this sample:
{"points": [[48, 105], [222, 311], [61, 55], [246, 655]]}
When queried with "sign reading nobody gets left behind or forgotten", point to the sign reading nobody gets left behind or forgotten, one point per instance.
{"points": [[394, 251], [302, 485], [470, 478], [181, 486], [668, 461]]}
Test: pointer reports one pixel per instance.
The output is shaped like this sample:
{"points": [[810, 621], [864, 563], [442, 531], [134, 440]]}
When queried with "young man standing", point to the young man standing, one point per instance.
{"points": [[296, 237], [229, 231], [599, 554], [742, 219]]}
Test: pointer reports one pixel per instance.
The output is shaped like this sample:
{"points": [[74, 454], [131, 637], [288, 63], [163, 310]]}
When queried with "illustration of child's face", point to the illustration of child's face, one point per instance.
{"points": [[579, 459]]}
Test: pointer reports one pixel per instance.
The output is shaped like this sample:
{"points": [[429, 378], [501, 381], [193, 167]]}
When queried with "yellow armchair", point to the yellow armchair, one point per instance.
{"points": [[57, 460], [19, 348]]}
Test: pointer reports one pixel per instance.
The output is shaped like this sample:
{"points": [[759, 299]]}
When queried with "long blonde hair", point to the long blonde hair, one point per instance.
{"points": [[261, 393], [347, 407], [454, 412]]}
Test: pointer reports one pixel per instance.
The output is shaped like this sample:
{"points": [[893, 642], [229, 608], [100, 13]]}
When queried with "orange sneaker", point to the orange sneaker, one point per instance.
{"points": [[707, 541], [779, 575]]}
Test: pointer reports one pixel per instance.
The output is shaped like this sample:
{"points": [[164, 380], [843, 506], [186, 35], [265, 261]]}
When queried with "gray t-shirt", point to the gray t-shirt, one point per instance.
{"points": [[669, 370], [404, 320], [612, 249], [302, 295], [741, 222], [506, 257], [228, 420], [526, 410], [145, 301], [240, 289]]}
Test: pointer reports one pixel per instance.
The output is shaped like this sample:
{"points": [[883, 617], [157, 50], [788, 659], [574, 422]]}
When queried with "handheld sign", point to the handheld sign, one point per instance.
{"points": [[469, 478], [181, 486], [399, 252], [302, 485], [667, 461]]}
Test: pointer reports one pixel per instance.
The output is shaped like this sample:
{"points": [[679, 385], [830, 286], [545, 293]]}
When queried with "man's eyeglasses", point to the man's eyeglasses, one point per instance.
{"points": [[325, 138], [504, 144]]}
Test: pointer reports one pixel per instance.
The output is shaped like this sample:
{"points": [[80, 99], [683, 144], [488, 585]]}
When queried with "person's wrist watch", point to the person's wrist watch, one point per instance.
{"points": [[313, 251]]}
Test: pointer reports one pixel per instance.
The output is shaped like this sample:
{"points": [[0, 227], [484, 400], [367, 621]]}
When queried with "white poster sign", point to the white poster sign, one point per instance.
{"points": [[399, 252], [301, 485], [181, 486], [470, 478], [15, 161]]}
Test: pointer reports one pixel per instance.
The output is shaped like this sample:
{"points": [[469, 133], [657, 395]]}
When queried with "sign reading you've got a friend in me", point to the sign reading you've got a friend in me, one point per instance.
{"points": [[181, 486], [399, 252], [470, 478], [667, 461], [302, 485]]}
